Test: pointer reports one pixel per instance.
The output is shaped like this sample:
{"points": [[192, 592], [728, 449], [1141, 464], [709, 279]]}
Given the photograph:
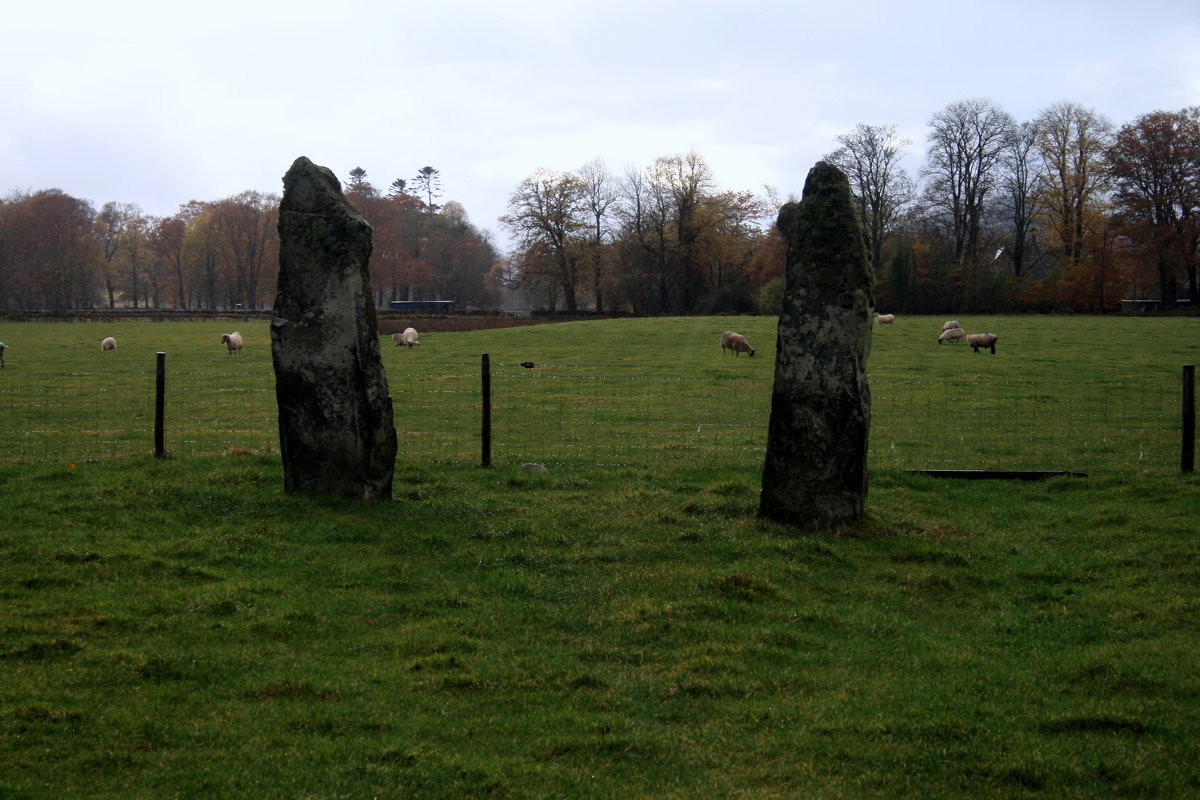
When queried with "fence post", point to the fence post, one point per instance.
{"points": [[160, 386], [486, 431], [1188, 452]]}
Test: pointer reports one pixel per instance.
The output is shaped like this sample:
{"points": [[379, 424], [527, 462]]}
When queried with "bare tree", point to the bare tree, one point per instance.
{"points": [[1021, 189], [599, 195], [966, 144], [1073, 142], [870, 158], [687, 182], [545, 214]]}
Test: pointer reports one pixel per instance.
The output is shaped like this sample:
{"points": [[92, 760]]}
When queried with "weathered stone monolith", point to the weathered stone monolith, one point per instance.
{"points": [[815, 470], [335, 414]]}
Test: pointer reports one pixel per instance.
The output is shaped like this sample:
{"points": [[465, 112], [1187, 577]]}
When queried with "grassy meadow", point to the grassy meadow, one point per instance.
{"points": [[619, 625], [1062, 393]]}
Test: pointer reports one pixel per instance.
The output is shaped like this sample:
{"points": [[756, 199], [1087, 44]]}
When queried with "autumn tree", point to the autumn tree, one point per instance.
{"points": [[729, 232], [417, 254], [1072, 143], [660, 210], [545, 217], [48, 252], [137, 274], [245, 226], [203, 256], [462, 256], [169, 240], [679, 243], [870, 158], [1154, 163], [119, 226]]}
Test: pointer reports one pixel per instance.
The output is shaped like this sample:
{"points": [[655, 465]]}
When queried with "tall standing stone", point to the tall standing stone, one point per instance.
{"points": [[815, 470], [335, 414]]}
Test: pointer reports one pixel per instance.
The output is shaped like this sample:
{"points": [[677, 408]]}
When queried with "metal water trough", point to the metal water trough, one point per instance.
{"points": [[998, 474]]}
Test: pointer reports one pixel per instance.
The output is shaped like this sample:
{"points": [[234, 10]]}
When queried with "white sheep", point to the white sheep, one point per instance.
{"points": [[408, 338], [736, 343], [985, 340], [233, 343], [950, 324], [884, 319], [951, 335], [3, 347], [108, 343]]}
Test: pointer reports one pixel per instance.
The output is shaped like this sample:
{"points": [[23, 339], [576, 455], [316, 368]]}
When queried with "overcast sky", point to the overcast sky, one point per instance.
{"points": [[159, 103]]}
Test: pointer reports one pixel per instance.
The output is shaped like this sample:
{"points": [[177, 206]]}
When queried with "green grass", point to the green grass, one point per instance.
{"points": [[1079, 393], [182, 628]]}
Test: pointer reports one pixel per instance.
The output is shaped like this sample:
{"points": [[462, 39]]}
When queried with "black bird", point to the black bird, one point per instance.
{"points": [[527, 364]]}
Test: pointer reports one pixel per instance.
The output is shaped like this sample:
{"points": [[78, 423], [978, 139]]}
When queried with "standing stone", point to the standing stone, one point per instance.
{"points": [[815, 471], [335, 414]]}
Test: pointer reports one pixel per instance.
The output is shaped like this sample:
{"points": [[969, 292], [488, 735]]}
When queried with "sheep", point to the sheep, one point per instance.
{"points": [[952, 335], [736, 343], [884, 319], [3, 347], [408, 338], [984, 340], [950, 324], [108, 343], [233, 343]]}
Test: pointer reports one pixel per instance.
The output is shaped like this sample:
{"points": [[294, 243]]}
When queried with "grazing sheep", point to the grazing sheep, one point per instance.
{"points": [[3, 347], [233, 343], [950, 324], [984, 340], [952, 335], [884, 319], [408, 338], [108, 343], [735, 342]]}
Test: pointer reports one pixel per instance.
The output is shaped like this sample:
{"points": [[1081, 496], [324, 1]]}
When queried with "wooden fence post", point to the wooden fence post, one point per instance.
{"points": [[1188, 452], [160, 386], [486, 431]]}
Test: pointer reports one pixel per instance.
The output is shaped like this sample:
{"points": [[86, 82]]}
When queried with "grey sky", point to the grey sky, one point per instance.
{"points": [[157, 103]]}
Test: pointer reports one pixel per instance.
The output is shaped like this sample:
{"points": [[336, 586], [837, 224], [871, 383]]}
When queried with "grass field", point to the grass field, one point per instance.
{"points": [[1077, 393], [180, 627]]}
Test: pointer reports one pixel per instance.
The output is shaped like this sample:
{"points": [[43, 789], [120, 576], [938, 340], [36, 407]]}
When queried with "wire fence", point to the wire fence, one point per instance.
{"points": [[601, 415]]}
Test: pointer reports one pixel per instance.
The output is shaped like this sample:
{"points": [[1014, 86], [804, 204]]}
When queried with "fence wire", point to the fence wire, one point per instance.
{"points": [[601, 415]]}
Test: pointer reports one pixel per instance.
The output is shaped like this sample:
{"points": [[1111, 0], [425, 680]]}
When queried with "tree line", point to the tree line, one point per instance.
{"points": [[58, 253], [1062, 212]]}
